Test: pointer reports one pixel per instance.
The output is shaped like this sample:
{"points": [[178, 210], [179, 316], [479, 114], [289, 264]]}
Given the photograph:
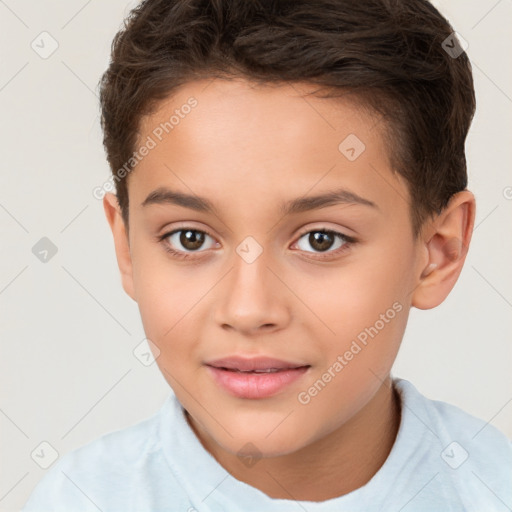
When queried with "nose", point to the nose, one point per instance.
{"points": [[252, 298]]}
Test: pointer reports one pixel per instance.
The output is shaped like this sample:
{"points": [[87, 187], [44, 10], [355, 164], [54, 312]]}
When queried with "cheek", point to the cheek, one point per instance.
{"points": [[363, 307], [163, 298], [160, 286], [171, 300], [356, 360], [352, 298]]}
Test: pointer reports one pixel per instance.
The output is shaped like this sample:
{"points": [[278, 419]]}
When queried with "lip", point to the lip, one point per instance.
{"points": [[253, 363], [255, 377]]}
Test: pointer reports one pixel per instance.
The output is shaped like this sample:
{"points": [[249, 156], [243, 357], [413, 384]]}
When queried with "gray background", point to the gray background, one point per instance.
{"points": [[68, 331]]}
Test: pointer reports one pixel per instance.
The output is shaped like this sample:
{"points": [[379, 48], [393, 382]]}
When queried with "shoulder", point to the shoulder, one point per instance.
{"points": [[104, 471], [473, 454], [452, 422]]}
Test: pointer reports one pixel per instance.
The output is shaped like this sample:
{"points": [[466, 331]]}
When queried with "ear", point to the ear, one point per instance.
{"points": [[446, 242], [121, 242]]}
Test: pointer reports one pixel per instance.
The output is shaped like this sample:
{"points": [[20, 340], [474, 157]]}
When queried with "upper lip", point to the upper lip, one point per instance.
{"points": [[253, 363]]}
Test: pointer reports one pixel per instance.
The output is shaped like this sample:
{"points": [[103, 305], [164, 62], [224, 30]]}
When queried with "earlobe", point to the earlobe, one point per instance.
{"points": [[121, 242], [447, 247]]}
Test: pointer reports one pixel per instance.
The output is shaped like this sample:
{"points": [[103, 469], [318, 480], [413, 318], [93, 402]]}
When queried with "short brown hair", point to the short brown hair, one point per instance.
{"points": [[389, 54]]}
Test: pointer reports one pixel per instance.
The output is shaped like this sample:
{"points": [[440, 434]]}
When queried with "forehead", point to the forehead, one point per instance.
{"points": [[264, 144], [240, 113]]}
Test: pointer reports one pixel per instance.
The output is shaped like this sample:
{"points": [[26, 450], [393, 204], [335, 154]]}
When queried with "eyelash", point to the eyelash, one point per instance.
{"points": [[349, 241]]}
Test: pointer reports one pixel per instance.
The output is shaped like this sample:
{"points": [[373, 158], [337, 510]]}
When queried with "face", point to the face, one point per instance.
{"points": [[276, 316]]}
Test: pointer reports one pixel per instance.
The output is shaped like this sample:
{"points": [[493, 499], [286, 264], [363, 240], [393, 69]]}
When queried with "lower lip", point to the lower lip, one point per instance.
{"points": [[255, 385]]}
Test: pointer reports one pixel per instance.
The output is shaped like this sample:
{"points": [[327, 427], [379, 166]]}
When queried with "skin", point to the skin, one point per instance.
{"points": [[247, 148]]}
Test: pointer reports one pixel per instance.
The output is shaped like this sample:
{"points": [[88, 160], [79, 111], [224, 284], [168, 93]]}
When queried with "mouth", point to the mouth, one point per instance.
{"points": [[255, 378], [267, 370], [258, 364]]}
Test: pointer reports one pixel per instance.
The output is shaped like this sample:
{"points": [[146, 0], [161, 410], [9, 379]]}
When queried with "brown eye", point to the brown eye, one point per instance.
{"points": [[184, 240], [322, 241], [191, 240]]}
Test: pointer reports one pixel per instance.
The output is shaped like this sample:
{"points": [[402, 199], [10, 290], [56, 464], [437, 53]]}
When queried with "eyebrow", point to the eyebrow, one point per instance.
{"points": [[164, 195]]}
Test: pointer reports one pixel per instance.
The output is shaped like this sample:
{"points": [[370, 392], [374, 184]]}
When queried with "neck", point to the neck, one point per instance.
{"points": [[335, 465]]}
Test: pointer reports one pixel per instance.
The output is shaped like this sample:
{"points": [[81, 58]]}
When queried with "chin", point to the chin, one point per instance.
{"points": [[261, 448], [259, 443]]}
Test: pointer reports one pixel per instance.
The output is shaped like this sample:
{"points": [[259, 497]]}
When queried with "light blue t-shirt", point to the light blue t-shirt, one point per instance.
{"points": [[442, 460]]}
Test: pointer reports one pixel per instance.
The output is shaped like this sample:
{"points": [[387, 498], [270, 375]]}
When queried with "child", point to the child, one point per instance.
{"points": [[290, 180]]}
